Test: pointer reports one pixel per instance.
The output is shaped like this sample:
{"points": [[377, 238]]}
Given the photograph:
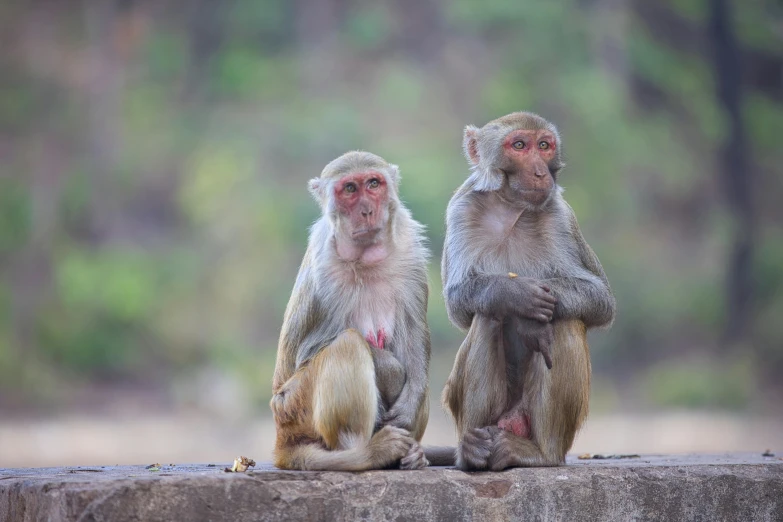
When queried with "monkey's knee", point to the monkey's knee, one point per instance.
{"points": [[345, 399]]}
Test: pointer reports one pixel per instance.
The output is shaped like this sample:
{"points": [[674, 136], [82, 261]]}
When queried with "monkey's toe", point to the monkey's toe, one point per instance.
{"points": [[390, 445], [415, 458], [503, 455], [475, 449]]}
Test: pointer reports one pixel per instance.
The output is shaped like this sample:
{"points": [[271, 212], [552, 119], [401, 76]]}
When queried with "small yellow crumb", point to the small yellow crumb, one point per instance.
{"points": [[585, 456], [241, 464], [512, 275]]}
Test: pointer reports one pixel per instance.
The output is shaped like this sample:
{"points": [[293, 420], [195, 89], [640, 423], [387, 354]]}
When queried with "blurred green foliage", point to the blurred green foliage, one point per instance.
{"points": [[153, 208], [701, 384]]}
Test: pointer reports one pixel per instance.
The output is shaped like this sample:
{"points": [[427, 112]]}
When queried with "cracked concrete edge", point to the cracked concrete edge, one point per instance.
{"points": [[726, 491]]}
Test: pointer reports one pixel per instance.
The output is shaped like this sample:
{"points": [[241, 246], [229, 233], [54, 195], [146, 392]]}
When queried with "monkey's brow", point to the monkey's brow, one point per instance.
{"points": [[374, 173], [345, 170]]}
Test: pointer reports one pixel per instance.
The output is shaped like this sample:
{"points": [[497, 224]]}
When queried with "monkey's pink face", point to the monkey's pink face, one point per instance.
{"points": [[528, 154], [363, 198]]}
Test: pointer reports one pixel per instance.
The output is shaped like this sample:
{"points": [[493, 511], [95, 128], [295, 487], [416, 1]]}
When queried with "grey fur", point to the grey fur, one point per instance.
{"points": [[490, 232], [329, 292]]}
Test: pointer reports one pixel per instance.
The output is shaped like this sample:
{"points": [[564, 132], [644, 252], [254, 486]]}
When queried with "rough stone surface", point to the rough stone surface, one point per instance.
{"points": [[708, 488]]}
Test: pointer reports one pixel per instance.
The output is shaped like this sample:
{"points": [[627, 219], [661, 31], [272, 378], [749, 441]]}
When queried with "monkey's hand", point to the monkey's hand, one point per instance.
{"points": [[538, 337], [475, 448], [520, 296], [415, 458], [533, 299]]}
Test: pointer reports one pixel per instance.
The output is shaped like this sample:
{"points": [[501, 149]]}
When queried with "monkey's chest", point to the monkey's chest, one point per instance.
{"points": [[373, 314], [503, 247]]}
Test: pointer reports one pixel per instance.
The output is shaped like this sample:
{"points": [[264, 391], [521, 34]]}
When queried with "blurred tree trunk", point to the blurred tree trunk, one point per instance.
{"points": [[105, 31], [737, 176], [206, 33]]}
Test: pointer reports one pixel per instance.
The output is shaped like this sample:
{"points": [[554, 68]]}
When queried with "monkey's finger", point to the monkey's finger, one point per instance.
{"points": [[549, 298], [480, 433], [541, 317], [545, 288], [415, 458], [533, 343], [547, 348], [547, 357]]}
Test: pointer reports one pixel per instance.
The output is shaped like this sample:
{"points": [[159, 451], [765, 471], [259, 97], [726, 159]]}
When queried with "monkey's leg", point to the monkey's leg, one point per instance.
{"points": [[344, 409], [516, 419], [390, 379], [481, 383], [556, 401]]}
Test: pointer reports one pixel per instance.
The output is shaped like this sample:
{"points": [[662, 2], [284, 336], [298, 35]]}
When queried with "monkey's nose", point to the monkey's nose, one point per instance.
{"points": [[367, 213]]}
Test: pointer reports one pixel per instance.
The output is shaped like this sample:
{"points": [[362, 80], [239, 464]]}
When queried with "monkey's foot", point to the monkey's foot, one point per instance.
{"points": [[517, 422], [415, 458], [503, 453], [389, 446], [474, 449], [281, 413]]}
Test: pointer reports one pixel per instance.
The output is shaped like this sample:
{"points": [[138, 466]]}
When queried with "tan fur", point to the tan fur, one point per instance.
{"points": [[478, 399], [339, 403], [330, 404]]}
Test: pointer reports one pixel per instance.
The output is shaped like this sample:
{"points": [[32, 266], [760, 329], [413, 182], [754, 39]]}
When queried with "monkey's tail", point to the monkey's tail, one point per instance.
{"points": [[441, 455]]}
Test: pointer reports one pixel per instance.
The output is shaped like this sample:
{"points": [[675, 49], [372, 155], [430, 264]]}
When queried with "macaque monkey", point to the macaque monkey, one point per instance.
{"points": [[520, 278], [350, 384]]}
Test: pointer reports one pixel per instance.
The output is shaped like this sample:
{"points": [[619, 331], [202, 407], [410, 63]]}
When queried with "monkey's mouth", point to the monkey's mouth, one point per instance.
{"points": [[535, 195], [365, 234]]}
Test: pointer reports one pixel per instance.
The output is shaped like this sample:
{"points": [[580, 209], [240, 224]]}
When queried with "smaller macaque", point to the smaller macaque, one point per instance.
{"points": [[350, 385]]}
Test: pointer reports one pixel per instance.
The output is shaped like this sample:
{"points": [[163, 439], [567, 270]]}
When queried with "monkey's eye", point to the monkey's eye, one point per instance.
{"points": [[374, 183], [519, 145], [543, 145], [350, 188]]}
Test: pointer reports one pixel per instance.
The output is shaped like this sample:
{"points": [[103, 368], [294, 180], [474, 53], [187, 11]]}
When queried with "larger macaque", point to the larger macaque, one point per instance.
{"points": [[520, 278], [350, 385]]}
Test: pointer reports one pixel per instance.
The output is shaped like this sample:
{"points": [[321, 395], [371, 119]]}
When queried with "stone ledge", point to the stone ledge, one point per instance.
{"points": [[691, 487]]}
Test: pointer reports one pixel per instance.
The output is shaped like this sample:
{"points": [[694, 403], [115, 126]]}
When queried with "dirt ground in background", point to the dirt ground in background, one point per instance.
{"points": [[146, 439]]}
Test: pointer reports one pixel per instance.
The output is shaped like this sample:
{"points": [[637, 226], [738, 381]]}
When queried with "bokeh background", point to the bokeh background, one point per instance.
{"points": [[154, 156]]}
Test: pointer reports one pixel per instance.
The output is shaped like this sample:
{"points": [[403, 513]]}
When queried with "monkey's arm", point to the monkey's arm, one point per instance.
{"points": [[305, 327], [493, 295], [583, 292], [412, 343]]}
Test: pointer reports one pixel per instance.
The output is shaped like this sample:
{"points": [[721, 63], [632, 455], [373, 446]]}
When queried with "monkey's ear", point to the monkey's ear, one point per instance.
{"points": [[315, 186], [394, 173], [470, 144]]}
